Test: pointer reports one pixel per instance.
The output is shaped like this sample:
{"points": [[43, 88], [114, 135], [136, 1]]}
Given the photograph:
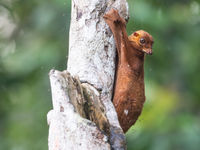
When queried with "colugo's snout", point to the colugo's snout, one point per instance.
{"points": [[148, 51]]}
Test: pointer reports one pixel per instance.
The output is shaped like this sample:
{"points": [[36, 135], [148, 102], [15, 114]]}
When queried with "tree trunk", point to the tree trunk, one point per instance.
{"points": [[83, 116]]}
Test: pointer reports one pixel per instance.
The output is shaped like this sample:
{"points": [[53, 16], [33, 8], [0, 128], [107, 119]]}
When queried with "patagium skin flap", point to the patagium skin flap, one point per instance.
{"points": [[129, 93]]}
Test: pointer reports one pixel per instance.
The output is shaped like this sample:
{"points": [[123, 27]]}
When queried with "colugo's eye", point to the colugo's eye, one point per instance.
{"points": [[142, 41]]}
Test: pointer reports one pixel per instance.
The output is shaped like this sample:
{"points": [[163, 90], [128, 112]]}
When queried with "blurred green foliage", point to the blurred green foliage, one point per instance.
{"points": [[34, 39]]}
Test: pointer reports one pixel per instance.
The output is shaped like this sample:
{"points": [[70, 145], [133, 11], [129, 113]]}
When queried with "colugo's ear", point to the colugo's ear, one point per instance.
{"points": [[136, 34]]}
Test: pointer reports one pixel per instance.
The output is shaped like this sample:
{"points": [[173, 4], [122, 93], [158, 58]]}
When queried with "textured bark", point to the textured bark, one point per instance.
{"points": [[83, 116]]}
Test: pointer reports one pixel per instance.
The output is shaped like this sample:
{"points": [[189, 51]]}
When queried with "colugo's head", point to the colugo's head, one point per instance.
{"points": [[142, 41]]}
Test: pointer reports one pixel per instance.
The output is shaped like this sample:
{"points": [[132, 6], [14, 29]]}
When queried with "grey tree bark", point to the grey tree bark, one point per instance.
{"points": [[83, 116]]}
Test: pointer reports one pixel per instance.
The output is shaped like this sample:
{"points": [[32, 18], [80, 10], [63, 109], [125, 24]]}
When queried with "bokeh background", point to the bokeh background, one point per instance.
{"points": [[34, 39]]}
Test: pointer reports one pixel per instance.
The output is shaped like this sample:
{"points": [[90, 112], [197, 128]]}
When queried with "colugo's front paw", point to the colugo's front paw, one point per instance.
{"points": [[113, 15]]}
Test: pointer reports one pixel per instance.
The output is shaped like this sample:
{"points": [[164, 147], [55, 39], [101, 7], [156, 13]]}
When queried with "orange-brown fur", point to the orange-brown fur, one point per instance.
{"points": [[129, 94]]}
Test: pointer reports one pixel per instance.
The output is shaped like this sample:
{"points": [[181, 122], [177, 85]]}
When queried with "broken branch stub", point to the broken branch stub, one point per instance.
{"points": [[77, 112], [69, 129]]}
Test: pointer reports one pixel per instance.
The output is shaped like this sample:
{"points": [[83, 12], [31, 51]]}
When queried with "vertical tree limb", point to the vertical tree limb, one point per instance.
{"points": [[83, 116]]}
